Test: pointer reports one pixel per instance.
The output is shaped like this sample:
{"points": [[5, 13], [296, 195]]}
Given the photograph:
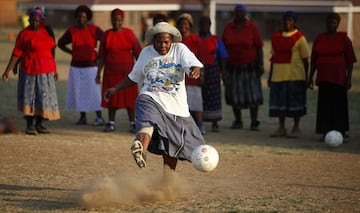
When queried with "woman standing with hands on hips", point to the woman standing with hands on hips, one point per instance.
{"points": [[83, 93], [163, 122]]}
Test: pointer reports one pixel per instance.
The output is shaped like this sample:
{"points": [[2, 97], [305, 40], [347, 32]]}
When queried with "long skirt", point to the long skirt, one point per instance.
{"points": [[211, 92], [287, 99], [243, 86], [173, 135], [194, 98], [83, 94], [113, 74], [37, 96], [332, 108]]}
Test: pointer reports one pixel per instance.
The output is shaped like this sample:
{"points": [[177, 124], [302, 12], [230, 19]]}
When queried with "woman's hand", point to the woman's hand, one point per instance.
{"points": [[5, 76], [310, 84], [195, 72], [108, 93], [98, 79]]}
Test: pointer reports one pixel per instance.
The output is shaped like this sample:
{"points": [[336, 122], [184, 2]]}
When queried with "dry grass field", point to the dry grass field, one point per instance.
{"points": [[82, 169]]}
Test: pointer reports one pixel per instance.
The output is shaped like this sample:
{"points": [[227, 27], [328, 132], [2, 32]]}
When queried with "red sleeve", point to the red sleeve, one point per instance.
{"points": [[136, 44]]}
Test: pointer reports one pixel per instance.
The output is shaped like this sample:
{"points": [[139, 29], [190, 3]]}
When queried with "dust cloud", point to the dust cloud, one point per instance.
{"points": [[133, 188]]}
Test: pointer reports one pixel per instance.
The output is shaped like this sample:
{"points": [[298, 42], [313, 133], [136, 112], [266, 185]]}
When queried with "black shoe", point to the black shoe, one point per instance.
{"points": [[346, 138], [109, 127], [215, 127], [81, 121], [202, 129], [30, 130], [254, 125], [41, 129], [237, 125], [132, 128]]}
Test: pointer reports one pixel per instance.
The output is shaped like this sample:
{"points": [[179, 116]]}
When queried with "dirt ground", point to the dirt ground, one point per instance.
{"points": [[81, 168]]}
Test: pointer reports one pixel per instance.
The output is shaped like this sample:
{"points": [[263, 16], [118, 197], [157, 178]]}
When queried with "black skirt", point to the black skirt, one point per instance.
{"points": [[332, 108]]}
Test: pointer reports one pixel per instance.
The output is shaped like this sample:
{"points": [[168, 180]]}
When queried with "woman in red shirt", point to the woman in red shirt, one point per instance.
{"points": [[37, 97], [244, 67], [118, 48], [332, 57], [83, 93], [193, 86], [214, 66]]}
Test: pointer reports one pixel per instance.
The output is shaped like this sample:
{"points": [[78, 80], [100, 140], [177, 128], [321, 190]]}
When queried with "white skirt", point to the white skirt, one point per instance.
{"points": [[83, 94], [194, 98]]}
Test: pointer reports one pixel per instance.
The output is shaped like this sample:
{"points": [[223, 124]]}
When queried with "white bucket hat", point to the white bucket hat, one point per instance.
{"points": [[163, 27]]}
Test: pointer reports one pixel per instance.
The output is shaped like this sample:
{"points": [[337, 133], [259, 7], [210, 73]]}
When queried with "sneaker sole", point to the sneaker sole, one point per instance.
{"points": [[138, 153]]}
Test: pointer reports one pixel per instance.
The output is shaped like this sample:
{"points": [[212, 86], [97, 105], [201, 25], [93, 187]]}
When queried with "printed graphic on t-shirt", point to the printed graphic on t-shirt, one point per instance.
{"points": [[164, 75]]}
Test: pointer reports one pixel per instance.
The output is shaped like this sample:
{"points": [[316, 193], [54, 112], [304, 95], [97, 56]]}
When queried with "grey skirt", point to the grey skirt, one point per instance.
{"points": [[173, 135], [37, 96]]}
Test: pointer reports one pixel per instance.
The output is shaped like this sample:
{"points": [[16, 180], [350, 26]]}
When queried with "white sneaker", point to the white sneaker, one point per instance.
{"points": [[99, 122], [109, 127]]}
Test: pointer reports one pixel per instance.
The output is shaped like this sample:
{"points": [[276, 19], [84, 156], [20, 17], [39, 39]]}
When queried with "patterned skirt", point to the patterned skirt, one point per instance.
{"points": [[211, 92], [83, 94], [37, 96], [173, 135], [287, 99], [243, 88]]}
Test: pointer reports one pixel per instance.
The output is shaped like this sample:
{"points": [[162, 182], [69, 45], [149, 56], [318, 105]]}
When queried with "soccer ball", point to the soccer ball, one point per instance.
{"points": [[205, 158], [333, 138]]}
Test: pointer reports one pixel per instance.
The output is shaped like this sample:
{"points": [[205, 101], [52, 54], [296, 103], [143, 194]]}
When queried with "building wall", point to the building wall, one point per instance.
{"points": [[8, 13]]}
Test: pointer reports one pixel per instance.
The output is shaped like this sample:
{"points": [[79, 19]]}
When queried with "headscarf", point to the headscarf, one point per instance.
{"points": [[239, 6], [290, 14], [117, 12], [37, 12]]}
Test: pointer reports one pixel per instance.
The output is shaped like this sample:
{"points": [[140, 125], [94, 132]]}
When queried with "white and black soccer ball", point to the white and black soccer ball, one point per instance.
{"points": [[205, 158], [333, 138]]}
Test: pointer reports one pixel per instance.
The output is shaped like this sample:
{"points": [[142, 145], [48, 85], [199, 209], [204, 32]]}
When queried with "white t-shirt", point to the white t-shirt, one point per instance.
{"points": [[163, 76]]}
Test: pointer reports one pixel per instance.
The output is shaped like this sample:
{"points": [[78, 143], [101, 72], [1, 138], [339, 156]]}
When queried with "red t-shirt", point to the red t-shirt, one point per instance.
{"points": [[34, 48], [330, 55], [241, 43], [84, 44], [120, 47], [196, 45], [210, 43]]}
